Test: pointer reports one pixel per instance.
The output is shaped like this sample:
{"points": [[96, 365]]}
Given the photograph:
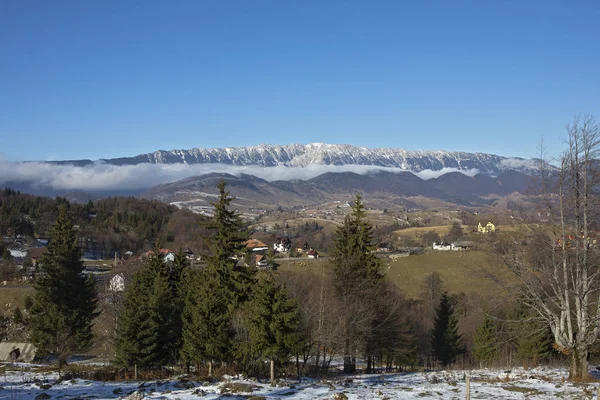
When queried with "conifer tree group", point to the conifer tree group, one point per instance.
{"points": [[217, 314], [65, 300], [149, 333]]}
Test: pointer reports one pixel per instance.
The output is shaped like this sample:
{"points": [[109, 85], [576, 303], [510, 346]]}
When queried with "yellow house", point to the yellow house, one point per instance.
{"points": [[489, 227]]}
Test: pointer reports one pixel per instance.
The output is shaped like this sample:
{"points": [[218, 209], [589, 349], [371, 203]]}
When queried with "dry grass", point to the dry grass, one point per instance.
{"points": [[468, 272], [417, 232], [12, 297]]}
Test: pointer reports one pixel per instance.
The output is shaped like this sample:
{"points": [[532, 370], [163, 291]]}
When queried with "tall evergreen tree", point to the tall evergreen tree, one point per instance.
{"points": [[219, 290], [272, 322], [207, 328], [357, 275], [531, 336], [446, 343], [226, 246], [65, 300], [485, 347], [149, 333]]}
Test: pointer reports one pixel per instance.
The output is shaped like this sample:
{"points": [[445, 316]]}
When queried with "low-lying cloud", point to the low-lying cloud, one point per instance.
{"points": [[103, 177]]}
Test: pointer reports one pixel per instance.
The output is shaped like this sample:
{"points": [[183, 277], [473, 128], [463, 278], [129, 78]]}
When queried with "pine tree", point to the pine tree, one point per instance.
{"points": [[446, 343], [218, 290], [226, 246], [149, 333], [138, 332], [355, 264], [357, 275], [532, 337], [207, 329], [272, 322], [64, 304], [485, 347]]}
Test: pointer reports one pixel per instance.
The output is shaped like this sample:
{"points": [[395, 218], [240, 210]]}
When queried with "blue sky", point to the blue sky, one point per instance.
{"points": [[92, 79]]}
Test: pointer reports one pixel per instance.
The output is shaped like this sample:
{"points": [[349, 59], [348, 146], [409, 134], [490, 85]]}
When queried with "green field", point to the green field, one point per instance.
{"points": [[469, 273]]}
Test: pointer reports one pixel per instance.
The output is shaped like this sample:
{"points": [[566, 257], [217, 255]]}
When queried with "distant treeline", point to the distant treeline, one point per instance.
{"points": [[114, 224]]}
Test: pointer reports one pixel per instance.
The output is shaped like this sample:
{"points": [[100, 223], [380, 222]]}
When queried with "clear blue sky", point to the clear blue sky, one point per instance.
{"points": [[92, 79]]}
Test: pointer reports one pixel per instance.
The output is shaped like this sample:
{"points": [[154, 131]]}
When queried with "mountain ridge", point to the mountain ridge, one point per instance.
{"points": [[304, 155]]}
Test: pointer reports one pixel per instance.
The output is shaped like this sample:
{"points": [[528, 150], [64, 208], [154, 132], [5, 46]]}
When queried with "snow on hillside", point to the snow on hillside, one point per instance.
{"points": [[540, 383]]}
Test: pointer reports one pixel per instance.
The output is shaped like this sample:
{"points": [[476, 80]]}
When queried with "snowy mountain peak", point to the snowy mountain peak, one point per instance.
{"points": [[303, 155]]}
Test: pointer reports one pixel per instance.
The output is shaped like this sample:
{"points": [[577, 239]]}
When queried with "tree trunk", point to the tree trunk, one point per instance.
{"points": [[317, 362], [210, 368], [579, 366], [349, 364], [369, 364], [349, 361], [272, 371], [298, 367]]}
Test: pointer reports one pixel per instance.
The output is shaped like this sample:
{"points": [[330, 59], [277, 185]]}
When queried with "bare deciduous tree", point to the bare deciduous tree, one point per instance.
{"points": [[557, 263]]}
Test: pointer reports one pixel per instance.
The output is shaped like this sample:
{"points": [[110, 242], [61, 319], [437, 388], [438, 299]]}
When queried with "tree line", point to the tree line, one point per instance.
{"points": [[106, 226]]}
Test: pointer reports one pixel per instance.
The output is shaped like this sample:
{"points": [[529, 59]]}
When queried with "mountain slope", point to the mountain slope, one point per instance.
{"points": [[253, 192]]}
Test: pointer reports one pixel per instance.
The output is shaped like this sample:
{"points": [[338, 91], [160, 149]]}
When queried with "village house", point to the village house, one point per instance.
{"points": [[117, 283], [189, 254], [383, 248], [14, 351], [36, 253], [168, 255], [462, 245], [489, 227], [442, 246], [313, 254], [260, 260], [282, 244], [255, 245]]}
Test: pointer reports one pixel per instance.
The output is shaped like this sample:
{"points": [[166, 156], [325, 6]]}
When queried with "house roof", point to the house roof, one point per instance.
{"points": [[312, 253], [253, 243], [27, 351], [37, 252], [119, 275], [162, 251], [259, 257]]}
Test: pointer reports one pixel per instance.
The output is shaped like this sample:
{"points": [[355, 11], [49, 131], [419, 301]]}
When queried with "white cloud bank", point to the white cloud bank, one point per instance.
{"points": [[100, 176]]}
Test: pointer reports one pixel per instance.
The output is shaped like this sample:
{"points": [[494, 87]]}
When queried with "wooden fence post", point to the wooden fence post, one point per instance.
{"points": [[468, 380]]}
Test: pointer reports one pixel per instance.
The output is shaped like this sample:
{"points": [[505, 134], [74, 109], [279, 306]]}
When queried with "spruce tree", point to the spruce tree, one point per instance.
{"points": [[532, 337], [485, 347], [64, 304], [149, 333], [357, 276], [226, 246], [272, 322], [218, 290], [207, 329], [446, 343]]}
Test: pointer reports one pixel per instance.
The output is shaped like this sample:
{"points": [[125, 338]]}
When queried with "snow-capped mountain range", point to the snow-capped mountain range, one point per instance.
{"points": [[303, 155]]}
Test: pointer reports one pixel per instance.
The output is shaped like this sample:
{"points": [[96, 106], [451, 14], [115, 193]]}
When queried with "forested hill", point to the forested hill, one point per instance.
{"points": [[105, 226]]}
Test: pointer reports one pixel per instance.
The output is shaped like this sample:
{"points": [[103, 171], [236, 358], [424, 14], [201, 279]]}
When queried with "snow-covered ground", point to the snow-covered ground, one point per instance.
{"points": [[540, 383]]}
